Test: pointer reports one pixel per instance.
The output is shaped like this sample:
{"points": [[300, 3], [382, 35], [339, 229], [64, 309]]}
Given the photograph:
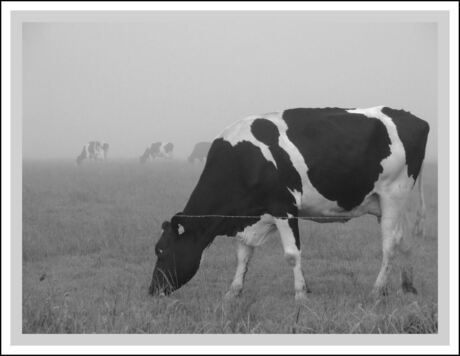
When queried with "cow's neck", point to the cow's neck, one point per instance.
{"points": [[220, 191], [207, 214]]}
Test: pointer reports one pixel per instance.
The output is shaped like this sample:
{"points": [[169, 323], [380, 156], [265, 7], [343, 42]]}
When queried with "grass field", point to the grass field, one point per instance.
{"points": [[88, 255]]}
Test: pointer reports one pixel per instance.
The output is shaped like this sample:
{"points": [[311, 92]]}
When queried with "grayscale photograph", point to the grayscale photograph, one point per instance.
{"points": [[232, 172]]}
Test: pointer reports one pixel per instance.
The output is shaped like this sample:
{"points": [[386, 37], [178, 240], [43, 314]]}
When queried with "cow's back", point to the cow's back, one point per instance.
{"points": [[330, 158]]}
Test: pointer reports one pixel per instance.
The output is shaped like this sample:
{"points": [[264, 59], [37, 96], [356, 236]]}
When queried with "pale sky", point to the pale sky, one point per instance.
{"points": [[185, 77]]}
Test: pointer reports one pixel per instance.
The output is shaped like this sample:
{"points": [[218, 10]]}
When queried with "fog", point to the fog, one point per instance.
{"points": [[184, 77]]}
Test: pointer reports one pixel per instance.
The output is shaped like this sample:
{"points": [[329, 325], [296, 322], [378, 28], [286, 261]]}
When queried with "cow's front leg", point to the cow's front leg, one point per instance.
{"points": [[244, 254], [289, 232]]}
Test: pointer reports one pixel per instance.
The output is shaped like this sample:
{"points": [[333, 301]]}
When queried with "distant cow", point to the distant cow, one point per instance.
{"points": [[200, 151], [157, 150], [266, 171], [94, 150], [161, 150]]}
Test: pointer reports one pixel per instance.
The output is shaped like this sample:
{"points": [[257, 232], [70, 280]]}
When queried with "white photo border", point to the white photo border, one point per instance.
{"points": [[13, 341]]}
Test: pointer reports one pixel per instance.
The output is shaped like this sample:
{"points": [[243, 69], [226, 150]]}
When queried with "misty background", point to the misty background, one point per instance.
{"points": [[184, 77]]}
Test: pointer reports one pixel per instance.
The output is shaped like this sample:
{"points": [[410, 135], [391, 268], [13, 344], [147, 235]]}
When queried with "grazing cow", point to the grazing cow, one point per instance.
{"points": [[161, 150], [157, 150], [94, 150], [200, 151], [267, 170]]}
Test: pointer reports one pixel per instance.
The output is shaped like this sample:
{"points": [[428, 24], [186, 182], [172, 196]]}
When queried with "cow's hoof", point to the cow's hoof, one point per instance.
{"points": [[300, 296], [409, 288], [232, 294], [378, 292]]}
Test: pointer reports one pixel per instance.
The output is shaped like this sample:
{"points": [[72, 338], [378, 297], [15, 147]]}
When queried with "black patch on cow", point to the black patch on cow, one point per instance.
{"points": [[266, 131], [413, 133], [237, 181], [294, 225], [155, 149], [169, 147], [343, 151]]}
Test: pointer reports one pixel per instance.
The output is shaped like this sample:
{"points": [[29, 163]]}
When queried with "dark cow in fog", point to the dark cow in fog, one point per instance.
{"points": [[93, 150], [200, 151], [267, 170], [157, 150], [105, 148]]}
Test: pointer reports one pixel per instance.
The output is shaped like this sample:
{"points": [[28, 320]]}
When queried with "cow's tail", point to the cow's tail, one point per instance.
{"points": [[419, 228]]}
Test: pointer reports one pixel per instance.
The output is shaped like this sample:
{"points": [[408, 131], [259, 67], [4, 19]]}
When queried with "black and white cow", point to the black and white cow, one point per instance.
{"points": [[200, 151], [161, 150], [157, 150], [93, 150], [331, 162]]}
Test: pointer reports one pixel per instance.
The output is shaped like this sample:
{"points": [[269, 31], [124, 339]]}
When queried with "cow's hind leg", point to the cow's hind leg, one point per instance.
{"points": [[244, 253], [405, 249], [393, 225], [289, 233]]}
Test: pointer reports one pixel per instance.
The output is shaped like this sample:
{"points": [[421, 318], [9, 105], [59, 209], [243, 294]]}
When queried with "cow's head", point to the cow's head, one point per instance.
{"points": [[145, 156], [81, 156], [178, 258]]}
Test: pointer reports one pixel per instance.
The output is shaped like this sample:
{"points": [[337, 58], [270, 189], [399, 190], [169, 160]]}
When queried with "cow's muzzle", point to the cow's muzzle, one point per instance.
{"points": [[159, 286]]}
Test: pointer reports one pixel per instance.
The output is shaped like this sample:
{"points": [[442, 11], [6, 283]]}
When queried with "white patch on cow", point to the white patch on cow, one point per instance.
{"points": [[297, 196], [309, 200], [241, 131], [393, 165], [258, 233], [180, 229], [293, 152]]}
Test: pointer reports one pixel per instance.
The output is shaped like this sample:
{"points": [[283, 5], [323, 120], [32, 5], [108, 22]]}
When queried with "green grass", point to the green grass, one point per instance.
{"points": [[88, 255]]}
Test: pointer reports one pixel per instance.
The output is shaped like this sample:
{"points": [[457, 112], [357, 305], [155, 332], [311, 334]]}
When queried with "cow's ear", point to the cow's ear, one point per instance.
{"points": [[170, 228], [174, 222]]}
